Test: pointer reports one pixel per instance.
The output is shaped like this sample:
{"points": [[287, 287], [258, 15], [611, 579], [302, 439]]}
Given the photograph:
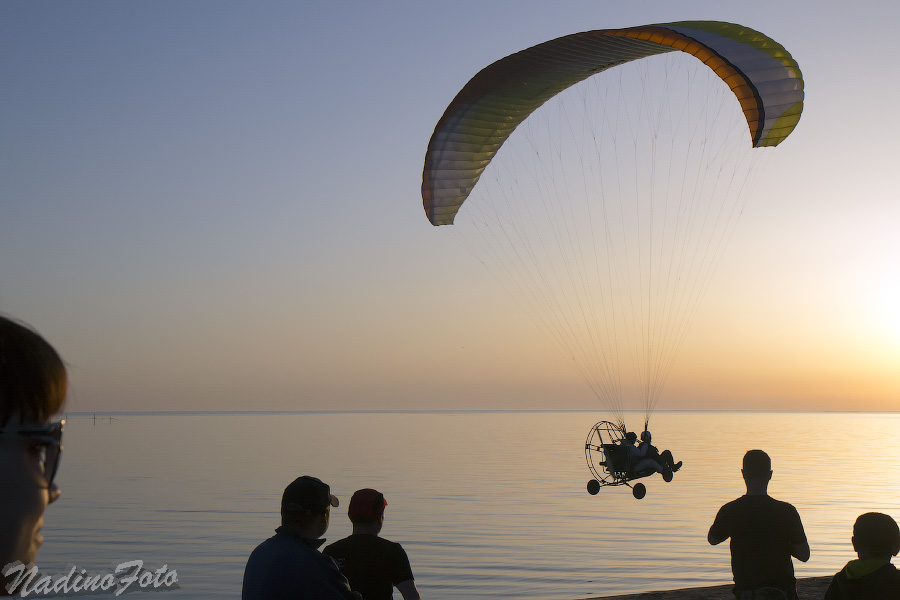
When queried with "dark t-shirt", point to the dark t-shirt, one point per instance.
{"points": [[762, 531], [373, 565]]}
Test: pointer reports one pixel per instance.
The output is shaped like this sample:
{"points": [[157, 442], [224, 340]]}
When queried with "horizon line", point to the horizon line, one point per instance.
{"points": [[79, 414]]}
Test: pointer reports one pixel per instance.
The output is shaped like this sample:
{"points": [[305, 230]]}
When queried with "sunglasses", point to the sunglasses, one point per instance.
{"points": [[49, 444]]}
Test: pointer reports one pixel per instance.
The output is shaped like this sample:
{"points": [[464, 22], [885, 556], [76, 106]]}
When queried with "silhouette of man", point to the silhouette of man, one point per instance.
{"points": [[765, 533], [289, 565], [876, 538], [374, 565], [664, 458], [637, 456]]}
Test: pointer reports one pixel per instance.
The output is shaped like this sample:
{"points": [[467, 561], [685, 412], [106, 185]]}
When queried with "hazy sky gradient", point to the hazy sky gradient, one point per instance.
{"points": [[216, 205]]}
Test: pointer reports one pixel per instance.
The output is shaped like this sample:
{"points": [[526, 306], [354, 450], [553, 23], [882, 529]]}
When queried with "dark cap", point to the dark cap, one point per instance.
{"points": [[366, 505], [307, 494]]}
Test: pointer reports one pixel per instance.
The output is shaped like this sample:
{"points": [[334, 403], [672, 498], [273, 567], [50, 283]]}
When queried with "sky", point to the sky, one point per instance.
{"points": [[216, 206]]}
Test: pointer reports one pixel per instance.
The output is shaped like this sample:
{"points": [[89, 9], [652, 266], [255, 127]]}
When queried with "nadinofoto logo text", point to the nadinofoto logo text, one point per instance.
{"points": [[26, 581]]}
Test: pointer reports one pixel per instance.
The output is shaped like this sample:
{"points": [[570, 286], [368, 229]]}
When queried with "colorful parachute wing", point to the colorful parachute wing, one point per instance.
{"points": [[763, 76]]}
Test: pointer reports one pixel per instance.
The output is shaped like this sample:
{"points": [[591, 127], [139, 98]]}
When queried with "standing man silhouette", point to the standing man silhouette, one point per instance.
{"points": [[765, 533]]}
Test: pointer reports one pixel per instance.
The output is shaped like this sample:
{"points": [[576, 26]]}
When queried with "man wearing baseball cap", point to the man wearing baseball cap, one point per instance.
{"points": [[374, 565], [289, 565]]}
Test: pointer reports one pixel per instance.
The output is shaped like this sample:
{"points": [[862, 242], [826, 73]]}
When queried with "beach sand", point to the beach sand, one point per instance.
{"points": [[810, 588]]}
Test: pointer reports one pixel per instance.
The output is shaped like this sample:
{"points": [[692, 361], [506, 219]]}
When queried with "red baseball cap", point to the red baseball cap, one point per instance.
{"points": [[366, 505]]}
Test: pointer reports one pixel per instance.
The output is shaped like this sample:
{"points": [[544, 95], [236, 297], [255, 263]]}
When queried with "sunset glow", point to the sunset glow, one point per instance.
{"points": [[218, 206]]}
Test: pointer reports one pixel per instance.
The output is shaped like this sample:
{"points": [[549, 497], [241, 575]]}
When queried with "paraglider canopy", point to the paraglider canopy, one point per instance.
{"points": [[613, 222], [763, 76]]}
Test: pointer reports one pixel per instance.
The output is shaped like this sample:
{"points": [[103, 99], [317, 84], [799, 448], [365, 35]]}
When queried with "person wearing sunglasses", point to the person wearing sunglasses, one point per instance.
{"points": [[33, 387]]}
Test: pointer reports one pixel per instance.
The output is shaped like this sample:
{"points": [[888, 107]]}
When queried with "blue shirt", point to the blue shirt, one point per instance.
{"points": [[288, 566]]}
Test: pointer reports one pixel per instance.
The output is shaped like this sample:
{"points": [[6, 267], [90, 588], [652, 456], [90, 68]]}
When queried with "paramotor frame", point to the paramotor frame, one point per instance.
{"points": [[607, 459]]}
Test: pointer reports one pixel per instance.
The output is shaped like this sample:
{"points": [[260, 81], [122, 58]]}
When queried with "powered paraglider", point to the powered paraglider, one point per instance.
{"points": [[602, 174]]}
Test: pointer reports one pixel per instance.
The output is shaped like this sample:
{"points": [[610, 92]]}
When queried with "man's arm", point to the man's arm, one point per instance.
{"points": [[408, 590], [718, 532], [800, 551], [715, 540], [334, 579], [800, 548]]}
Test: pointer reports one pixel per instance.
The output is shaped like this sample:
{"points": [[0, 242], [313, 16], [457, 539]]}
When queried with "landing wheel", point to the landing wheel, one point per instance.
{"points": [[639, 490], [593, 487]]}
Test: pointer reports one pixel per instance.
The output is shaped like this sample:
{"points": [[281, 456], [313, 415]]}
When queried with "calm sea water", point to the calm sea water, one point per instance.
{"points": [[487, 504]]}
